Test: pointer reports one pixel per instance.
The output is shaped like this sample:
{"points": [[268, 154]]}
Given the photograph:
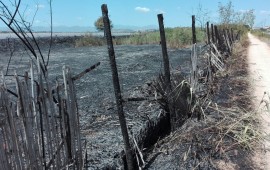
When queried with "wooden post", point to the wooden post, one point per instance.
{"points": [[212, 33], [164, 52], [193, 30], [216, 34], [237, 37], [116, 84], [222, 34], [229, 36], [208, 34], [232, 35], [166, 71], [209, 77]]}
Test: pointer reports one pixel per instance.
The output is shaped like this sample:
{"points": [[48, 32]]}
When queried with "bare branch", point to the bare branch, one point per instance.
{"points": [[49, 52], [17, 8]]}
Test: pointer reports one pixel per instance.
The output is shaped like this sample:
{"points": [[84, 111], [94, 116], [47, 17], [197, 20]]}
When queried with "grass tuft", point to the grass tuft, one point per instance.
{"points": [[175, 37]]}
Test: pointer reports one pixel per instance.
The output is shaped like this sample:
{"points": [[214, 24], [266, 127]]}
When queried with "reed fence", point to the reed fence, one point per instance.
{"points": [[39, 127]]}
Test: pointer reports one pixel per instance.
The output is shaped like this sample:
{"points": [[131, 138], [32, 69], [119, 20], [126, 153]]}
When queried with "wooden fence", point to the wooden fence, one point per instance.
{"points": [[219, 45], [39, 130]]}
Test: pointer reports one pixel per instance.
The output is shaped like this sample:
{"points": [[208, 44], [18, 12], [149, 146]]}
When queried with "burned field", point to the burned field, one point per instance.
{"points": [[211, 135], [138, 67]]}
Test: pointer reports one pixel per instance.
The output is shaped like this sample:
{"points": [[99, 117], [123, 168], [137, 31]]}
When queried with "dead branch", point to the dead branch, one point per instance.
{"points": [[17, 8], [136, 99]]}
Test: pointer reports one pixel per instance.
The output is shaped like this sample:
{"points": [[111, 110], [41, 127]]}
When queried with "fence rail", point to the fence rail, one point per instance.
{"points": [[36, 132]]}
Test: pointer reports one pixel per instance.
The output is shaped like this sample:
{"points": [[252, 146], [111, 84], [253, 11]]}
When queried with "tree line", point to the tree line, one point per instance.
{"points": [[227, 16]]}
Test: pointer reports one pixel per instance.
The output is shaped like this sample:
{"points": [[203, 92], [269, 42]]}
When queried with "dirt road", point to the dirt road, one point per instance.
{"points": [[259, 68]]}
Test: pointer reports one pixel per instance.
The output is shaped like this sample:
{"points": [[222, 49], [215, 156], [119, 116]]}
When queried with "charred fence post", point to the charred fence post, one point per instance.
{"points": [[216, 35], [212, 33], [229, 37], [208, 34], [237, 37], [167, 73], [164, 52], [225, 42], [116, 84], [194, 57], [194, 41], [232, 34], [209, 77]]}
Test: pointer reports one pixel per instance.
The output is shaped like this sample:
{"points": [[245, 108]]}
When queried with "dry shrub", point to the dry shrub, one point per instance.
{"points": [[244, 42], [181, 97]]}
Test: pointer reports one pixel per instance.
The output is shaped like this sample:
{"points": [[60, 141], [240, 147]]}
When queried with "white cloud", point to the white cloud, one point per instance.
{"points": [[79, 18], [264, 12], [243, 10], [142, 9], [160, 11], [40, 6]]}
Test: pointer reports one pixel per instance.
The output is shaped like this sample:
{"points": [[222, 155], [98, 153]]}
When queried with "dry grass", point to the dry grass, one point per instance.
{"points": [[225, 129], [224, 132]]}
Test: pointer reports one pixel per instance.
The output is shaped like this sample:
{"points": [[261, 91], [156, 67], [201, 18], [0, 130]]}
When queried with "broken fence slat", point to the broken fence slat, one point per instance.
{"points": [[217, 62], [217, 51], [78, 76]]}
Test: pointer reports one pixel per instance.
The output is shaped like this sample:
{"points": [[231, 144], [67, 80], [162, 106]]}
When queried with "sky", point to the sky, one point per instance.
{"points": [[133, 12]]}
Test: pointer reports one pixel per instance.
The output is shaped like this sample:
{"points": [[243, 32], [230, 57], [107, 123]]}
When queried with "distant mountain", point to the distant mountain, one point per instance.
{"points": [[64, 29], [136, 28], [57, 29], [116, 28]]}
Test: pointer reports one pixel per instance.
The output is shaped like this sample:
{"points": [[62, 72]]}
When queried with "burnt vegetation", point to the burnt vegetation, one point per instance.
{"points": [[40, 120]]}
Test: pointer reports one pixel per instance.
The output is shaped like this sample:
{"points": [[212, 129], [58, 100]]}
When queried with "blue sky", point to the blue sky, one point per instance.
{"points": [[135, 12]]}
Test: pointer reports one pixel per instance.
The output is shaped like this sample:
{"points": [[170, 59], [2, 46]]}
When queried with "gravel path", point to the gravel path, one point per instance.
{"points": [[259, 63]]}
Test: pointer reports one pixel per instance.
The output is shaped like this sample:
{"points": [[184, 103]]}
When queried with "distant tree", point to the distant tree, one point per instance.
{"points": [[99, 24], [249, 18], [228, 16], [202, 15], [226, 13]]}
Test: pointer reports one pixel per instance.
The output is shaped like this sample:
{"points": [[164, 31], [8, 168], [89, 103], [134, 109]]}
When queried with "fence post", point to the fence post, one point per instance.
{"points": [[193, 30], [208, 34], [116, 84], [216, 34], [164, 52], [229, 36], [212, 33], [166, 71], [232, 34]]}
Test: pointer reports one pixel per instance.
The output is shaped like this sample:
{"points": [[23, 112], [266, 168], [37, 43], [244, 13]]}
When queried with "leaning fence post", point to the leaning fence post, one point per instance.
{"points": [[116, 84], [193, 30]]}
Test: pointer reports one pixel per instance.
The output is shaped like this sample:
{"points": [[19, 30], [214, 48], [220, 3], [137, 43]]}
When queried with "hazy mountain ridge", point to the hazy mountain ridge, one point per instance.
{"points": [[116, 28]]}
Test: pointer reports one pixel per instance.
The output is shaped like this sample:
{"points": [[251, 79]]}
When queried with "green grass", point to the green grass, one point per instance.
{"points": [[175, 37], [261, 34], [89, 40]]}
